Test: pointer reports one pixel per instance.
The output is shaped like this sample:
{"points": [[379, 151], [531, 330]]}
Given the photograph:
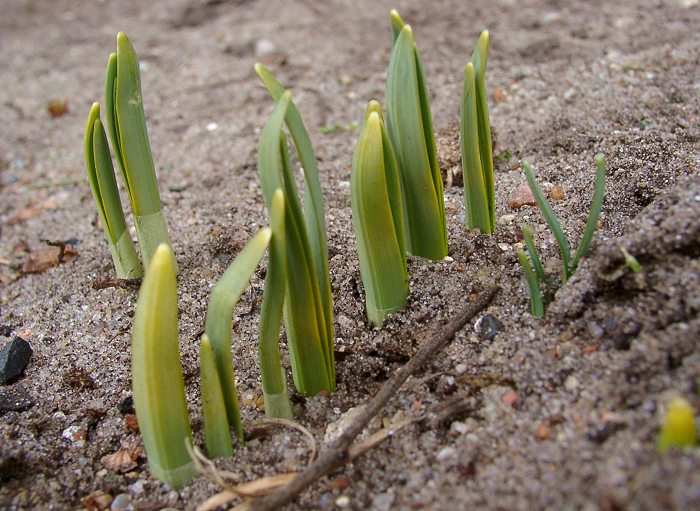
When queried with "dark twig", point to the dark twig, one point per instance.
{"points": [[107, 282], [336, 454]]}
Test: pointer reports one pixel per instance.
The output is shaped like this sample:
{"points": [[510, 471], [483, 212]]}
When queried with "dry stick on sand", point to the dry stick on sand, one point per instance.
{"points": [[337, 453]]}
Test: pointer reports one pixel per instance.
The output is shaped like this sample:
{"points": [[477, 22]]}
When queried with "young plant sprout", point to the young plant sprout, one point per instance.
{"points": [[536, 277], [475, 141], [308, 313], [126, 125], [158, 385], [219, 391], [274, 382], [678, 429], [410, 129], [377, 214], [98, 161]]}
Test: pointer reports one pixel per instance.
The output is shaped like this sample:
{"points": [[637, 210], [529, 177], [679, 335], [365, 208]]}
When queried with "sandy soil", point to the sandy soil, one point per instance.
{"points": [[564, 411]]}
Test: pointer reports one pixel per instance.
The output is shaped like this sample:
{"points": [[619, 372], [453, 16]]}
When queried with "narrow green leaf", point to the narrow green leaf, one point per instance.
{"points": [[377, 218], [217, 435], [158, 385], [132, 133], [103, 185], [594, 214], [479, 57], [274, 384], [314, 217], [410, 130], [111, 118], [536, 304], [551, 220], [310, 342], [534, 257], [217, 327], [476, 200]]}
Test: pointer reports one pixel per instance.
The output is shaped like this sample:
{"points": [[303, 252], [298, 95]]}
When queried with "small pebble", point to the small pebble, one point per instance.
{"points": [[339, 483], [76, 435], [506, 219], [505, 247], [126, 406], [459, 427], [556, 193], [543, 432], [121, 502], [342, 501], [14, 358], [14, 399], [566, 336], [522, 196], [461, 368], [510, 398], [264, 47], [383, 501], [571, 383], [212, 126], [446, 453], [488, 326]]}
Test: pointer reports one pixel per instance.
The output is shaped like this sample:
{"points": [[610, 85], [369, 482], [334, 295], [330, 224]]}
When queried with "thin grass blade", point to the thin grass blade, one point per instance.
{"points": [[536, 303], [551, 220], [534, 257], [158, 384], [594, 214], [217, 327]]}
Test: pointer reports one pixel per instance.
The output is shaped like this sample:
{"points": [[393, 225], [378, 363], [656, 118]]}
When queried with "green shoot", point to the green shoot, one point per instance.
{"points": [[377, 213], [536, 303], [594, 214], [126, 125], [569, 264], [158, 384], [630, 261], [217, 327], [308, 314], [475, 140], [534, 257], [679, 428], [217, 435], [277, 404], [411, 132], [98, 161], [314, 219], [551, 220]]}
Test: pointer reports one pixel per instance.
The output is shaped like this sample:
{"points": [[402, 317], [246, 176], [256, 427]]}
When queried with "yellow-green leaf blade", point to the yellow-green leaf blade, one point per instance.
{"points": [[158, 385]]}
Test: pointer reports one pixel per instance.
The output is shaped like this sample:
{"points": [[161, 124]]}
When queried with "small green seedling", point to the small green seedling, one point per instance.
{"points": [[274, 382], [158, 385], [377, 214], [308, 312], [126, 124], [678, 429], [630, 261], [98, 161], [219, 389], [569, 263], [410, 129], [475, 141]]}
